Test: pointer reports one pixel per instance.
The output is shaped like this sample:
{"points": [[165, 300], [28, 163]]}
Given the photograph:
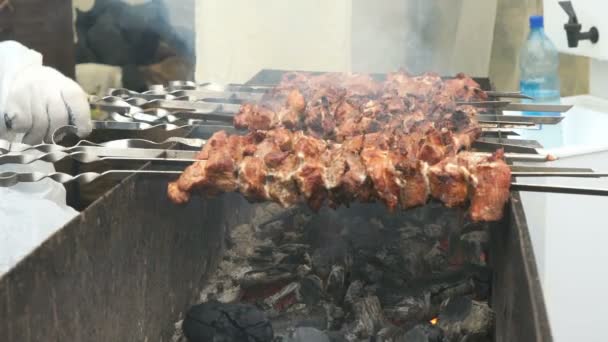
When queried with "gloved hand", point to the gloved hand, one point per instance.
{"points": [[35, 100]]}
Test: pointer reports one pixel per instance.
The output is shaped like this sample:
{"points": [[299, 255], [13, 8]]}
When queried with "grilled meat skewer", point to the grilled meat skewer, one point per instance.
{"points": [[338, 106], [398, 170]]}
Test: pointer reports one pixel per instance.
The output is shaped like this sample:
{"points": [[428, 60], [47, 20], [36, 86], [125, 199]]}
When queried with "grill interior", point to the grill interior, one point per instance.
{"points": [[132, 263]]}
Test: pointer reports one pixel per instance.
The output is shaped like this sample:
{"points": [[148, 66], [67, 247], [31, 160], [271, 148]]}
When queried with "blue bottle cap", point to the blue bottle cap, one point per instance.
{"points": [[536, 21]]}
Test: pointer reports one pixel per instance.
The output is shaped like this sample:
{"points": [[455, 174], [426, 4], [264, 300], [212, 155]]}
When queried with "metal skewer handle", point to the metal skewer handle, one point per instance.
{"points": [[81, 157], [8, 179], [123, 144], [559, 189]]}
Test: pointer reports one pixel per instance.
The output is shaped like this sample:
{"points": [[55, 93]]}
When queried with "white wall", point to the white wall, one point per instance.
{"points": [[421, 35], [237, 38], [379, 35]]}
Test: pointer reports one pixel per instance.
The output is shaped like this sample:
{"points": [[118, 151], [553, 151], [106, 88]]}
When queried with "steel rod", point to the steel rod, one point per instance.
{"points": [[559, 174], [10, 178], [559, 189], [507, 94]]}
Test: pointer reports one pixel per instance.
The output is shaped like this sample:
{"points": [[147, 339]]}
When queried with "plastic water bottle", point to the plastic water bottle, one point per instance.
{"points": [[539, 78], [539, 65]]}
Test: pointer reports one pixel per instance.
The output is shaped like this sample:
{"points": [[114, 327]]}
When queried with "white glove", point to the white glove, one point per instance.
{"points": [[35, 100]]}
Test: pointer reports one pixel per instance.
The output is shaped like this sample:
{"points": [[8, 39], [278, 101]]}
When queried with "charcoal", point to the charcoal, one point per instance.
{"points": [[369, 272], [311, 290], [299, 315], [294, 248], [335, 283], [264, 251], [336, 336], [306, 334], [358, 274], [286, 254], [434, 231], [475, 226], [362, 235], [284, 298], [268, 276], [469, 281], [224, 284], [303, 270], [302, 258], [422, 333], [271, 212], [412, 263], [474, 246], [368, 317], [436, 258], [354, 292], [389, 333], [335, 317], [325, 258], [272, 230], [464, 319], [424, 296], [241, 242], [215, 321], [408, 232], [409, 309]]}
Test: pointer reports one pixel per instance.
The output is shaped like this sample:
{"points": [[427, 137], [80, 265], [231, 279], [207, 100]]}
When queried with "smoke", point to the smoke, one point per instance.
{"points": [[392, 35], [180, 15], [419, 50], [422, 35], [150, 40]]}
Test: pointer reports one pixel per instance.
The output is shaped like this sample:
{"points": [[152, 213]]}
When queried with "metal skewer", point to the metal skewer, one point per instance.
{"points": [[518, 107], [507, 123], [260, 88], [136, 148], [544, 120], [559, 174], [559, 189], [524, 107], [8, 179], [498, 132], [504, 94], [526, 168], [494, 144], [83, 157], [232, 92]]}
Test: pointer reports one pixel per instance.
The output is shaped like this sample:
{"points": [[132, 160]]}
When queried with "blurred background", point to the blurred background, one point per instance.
{"points": [[138, 43]]}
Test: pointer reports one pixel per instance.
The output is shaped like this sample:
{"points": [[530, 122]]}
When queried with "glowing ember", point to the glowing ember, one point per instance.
{"points": [[434, 321]]}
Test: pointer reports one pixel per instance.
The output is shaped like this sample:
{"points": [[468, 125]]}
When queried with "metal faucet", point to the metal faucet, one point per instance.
{"points": [[573, 28]]}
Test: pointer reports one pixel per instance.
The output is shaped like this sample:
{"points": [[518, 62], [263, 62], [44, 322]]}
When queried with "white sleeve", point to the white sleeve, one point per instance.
{"points": [[14, 58]]}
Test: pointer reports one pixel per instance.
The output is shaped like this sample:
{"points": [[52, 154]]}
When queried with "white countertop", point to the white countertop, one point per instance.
{"points": [[570, 232]]}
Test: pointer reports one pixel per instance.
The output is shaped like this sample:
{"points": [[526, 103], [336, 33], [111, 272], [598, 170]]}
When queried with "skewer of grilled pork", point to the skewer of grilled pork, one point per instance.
{"points": [[399, 170]]}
